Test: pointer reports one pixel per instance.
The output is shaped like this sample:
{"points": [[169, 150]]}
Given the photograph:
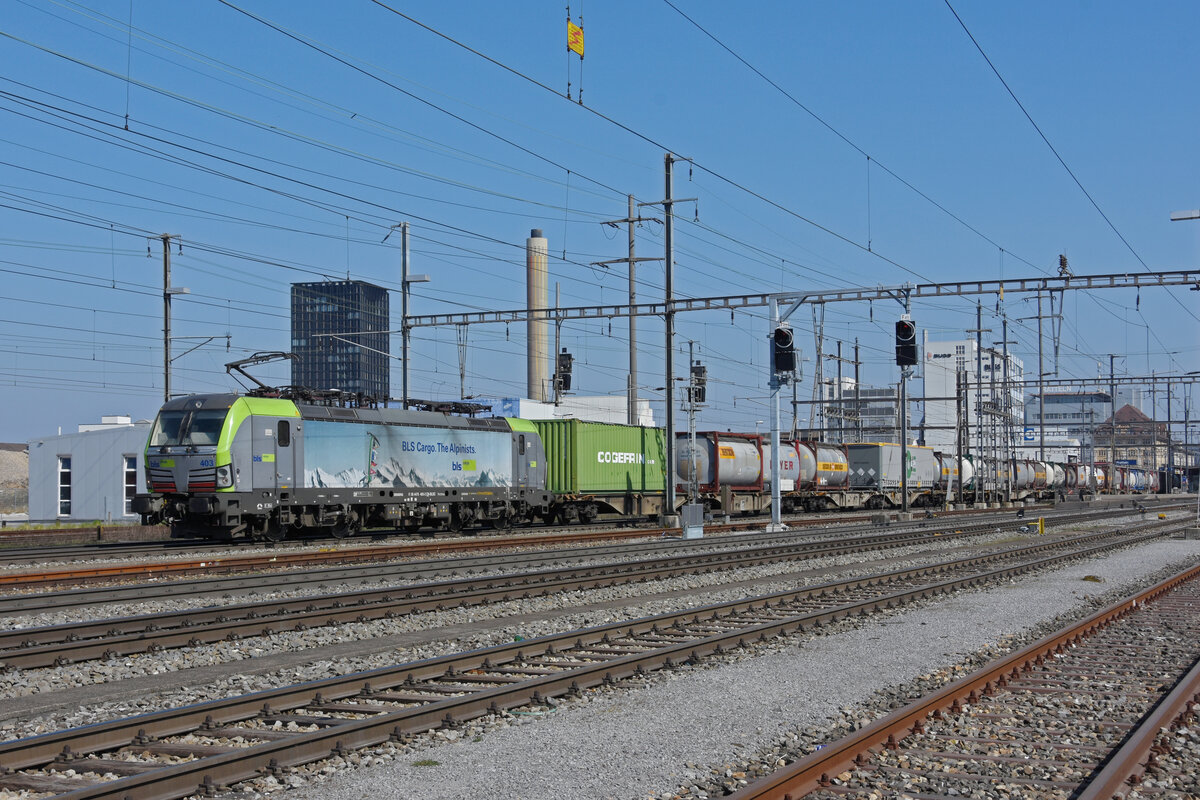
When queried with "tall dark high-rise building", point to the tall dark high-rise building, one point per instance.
{"points": [[355, 358]]}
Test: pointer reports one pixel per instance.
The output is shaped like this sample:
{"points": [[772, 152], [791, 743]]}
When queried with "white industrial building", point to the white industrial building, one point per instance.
{"points": [[89, 475], [868, 414], [993, 408], [1076, 413]]}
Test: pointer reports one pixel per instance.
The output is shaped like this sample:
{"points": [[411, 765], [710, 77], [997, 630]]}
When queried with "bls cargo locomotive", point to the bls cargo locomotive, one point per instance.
{"points": [[226, 465], [251, 466]]}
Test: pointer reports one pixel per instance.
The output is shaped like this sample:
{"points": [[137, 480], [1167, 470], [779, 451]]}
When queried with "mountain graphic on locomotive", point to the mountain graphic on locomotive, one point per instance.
{"points": [[230, 466]]}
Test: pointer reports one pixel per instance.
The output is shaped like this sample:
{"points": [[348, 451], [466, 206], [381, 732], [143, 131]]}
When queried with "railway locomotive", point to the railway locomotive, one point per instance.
{"points": [[227, 466]]}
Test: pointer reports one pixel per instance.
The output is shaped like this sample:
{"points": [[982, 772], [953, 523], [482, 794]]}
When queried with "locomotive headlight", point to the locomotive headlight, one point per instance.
{"points": [[224, 476]]}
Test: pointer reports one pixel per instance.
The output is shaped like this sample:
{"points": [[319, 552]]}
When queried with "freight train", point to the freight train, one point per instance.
{"points": [[227, 466]]}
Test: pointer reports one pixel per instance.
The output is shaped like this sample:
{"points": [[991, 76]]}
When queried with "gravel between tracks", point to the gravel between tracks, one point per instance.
{"points": [[640, 597], [692, 729], [607, 745]]}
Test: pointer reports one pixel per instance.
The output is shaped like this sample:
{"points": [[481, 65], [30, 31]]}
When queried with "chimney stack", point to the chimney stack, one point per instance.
{"points": [[537, 293]]}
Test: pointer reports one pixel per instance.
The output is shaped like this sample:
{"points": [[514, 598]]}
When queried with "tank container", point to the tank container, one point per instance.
{"points": [[1041, 474], [1059, 479], [797, 464], [833, 467], [1024, 474], [722, 460]]}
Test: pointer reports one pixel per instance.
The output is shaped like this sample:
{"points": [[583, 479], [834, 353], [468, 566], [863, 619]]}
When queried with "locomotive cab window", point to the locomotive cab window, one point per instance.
{"points": [[205, 427], [283, 433], [201, 427]]}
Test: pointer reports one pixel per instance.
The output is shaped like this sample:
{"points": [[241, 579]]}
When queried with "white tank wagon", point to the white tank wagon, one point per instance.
{"points": [[729, 467], [797, 467]]}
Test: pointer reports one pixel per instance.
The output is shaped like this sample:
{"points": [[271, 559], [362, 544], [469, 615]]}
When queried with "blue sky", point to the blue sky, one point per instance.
{"points": [[281, 149]]}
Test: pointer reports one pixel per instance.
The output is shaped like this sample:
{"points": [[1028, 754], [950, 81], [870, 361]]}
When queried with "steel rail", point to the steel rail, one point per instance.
{"points": [[1127, 764], [338, 553], [57, 645], [222, 565], [43, 601], [812, 772], [769, 616], [35, 602]]}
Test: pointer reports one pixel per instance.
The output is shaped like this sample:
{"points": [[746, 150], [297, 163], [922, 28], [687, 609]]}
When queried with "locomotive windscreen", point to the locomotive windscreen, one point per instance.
{"points": [[198, 427]]}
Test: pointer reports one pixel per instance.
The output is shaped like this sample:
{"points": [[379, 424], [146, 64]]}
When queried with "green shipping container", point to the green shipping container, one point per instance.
{"points": [[598, 458]]}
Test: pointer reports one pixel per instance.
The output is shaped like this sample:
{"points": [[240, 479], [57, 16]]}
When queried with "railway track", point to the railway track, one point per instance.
{"points": [[208, 746], [436, 539], [98, 550], [223, 564], [1076, 714], [276, 561], [865, 536], [59, 645]]}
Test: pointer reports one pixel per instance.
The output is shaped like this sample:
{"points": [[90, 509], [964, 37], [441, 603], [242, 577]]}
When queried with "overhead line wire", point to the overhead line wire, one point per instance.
{"points": [[289, 195], [656, 143], [413, 96], [844, 138], [1054, 150]]}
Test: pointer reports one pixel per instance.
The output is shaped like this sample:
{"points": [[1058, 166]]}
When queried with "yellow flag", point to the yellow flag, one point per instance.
{"points": [[575, 38]]}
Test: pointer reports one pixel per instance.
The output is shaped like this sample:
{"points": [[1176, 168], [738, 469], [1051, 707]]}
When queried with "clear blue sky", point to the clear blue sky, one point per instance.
{"points": [[282, 149]]}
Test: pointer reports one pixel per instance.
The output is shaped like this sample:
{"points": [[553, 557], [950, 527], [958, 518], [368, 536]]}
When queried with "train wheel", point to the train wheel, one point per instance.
{"points": [[502, 522], [274, 532], [455, 524], [342, 530]]}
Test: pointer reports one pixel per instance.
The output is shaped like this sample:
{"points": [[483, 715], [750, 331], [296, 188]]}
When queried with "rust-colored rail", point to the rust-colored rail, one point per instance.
{"points": [[360, 554], [27, 648], [221, 565], [364, 709], [814, 773]]}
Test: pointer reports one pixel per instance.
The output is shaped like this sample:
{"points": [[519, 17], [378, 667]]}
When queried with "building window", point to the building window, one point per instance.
{"points": [[64, 486], [130, 482]]}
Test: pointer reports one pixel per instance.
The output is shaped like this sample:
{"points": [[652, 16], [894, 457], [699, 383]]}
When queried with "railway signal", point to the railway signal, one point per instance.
{"points": [[785, 352], [699, 382], [906, 343], [563, 376]]}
